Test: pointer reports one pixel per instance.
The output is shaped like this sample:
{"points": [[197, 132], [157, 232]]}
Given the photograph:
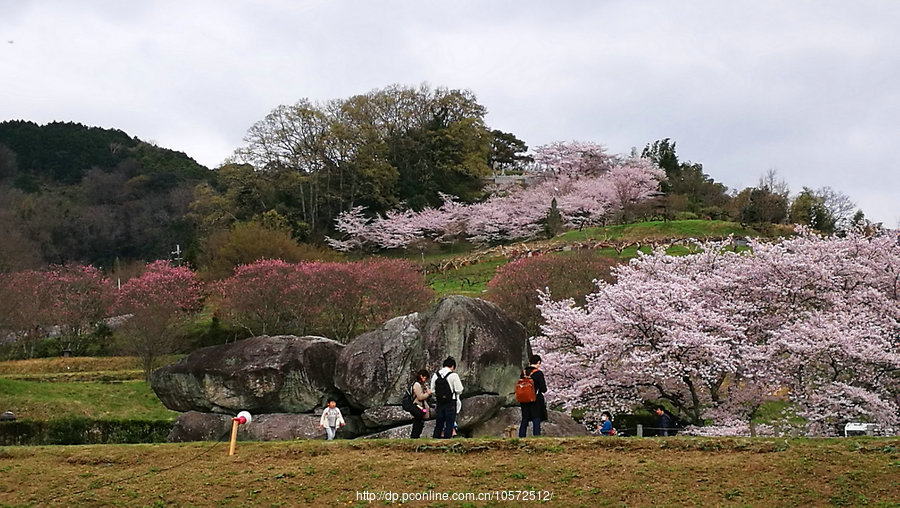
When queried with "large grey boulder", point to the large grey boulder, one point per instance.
{"points": [[560, 424], [402, 432], [285, 427], [477, 410], [281, 374], [490, 349], [374, 368], [385, 416], [197, 426]]}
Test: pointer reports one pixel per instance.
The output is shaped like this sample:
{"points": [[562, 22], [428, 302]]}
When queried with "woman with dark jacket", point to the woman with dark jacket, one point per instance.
{"points": [[534, 412]]}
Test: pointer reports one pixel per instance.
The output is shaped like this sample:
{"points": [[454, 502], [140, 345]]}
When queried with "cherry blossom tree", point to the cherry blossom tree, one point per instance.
{"points": [[589, 187], [158, 302], [631, 183], [573, 158], [811, 320]]}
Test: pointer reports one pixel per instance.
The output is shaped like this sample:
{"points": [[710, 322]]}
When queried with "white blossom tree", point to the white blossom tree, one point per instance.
{"points": [[811, 320]]}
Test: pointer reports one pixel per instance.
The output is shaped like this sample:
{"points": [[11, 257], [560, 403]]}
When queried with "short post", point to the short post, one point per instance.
{"points": [[241, 418], [234, 426], [640, 430]]}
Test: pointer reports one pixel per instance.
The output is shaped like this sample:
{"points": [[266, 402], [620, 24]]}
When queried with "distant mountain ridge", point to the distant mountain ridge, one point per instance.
{"points": [[63, 151]]}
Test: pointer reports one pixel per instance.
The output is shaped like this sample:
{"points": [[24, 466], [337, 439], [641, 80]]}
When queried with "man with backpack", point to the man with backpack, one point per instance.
{"points": [[447, 387], [530, 394]]}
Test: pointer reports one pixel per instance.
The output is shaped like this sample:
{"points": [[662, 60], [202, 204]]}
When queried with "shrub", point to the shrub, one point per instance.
{"points": [[69, 430], [515, 286], [211, 332], [74, 430], [250, 242]]}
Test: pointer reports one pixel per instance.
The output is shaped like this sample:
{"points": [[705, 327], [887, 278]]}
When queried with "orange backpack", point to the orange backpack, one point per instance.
{"points": [[525, 392]]}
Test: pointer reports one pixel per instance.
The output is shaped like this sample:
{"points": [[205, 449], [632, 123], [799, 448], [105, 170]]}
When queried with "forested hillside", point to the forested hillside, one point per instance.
{"points": [[72, 193]]}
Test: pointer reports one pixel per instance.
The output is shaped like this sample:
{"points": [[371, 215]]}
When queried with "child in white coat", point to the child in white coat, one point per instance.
{"points": [[331, 419]]}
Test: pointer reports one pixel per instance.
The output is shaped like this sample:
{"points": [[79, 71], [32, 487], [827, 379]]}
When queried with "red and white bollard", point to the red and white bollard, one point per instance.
{"points": [[241, 418]]}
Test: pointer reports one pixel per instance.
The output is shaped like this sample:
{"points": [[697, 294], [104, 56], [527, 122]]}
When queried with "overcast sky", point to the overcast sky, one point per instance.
{"points": [[808, 88]]}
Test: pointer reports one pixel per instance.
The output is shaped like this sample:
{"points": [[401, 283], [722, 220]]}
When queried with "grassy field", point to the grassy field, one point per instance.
{"points": [[35, 400], [588, 472], [656, 230], [470, 280], [96, 387], [78, 368]]}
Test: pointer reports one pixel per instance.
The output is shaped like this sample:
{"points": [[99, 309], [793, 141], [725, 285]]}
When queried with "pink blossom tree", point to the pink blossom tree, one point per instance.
{"points": [[400, 228], [77, 298], [630, 184], [813, 321], [515, 287], [575, 158], [364, 294], [23, 310], [158, 301], [332, 299], [268, 297]]}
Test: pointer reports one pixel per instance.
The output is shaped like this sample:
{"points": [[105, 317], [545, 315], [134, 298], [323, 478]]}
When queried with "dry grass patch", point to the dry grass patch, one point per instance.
{"points": [[575, 472], [63, 365]]}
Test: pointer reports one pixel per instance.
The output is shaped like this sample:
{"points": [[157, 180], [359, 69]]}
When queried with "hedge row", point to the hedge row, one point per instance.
{"points": [[80, 430]]}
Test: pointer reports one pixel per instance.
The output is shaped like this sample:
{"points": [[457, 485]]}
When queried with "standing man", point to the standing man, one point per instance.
{"points": [[665, 421], [447, 387], [536, 411]]}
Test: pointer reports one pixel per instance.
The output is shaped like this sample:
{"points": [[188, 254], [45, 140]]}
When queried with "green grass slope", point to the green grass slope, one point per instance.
{"points": [[99, 388], [34, 400], [467, 272]]}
